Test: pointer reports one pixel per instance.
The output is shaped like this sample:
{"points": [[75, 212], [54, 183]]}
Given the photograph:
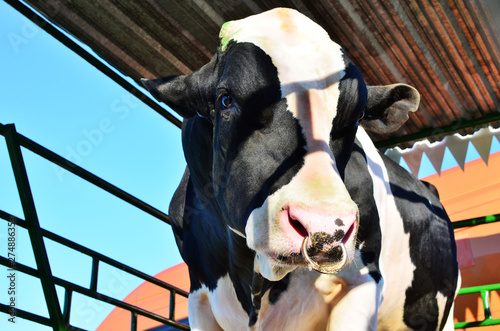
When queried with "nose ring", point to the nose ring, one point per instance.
{"points": [[325, 268]]}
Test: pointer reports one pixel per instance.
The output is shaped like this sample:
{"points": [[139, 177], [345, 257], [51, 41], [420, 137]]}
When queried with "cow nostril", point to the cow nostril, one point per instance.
{"points": [[297, 226], [348, 234]]}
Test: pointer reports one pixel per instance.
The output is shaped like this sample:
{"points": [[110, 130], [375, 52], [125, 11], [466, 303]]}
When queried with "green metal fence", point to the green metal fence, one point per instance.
{"points": [[59, 315], [484, 290]]}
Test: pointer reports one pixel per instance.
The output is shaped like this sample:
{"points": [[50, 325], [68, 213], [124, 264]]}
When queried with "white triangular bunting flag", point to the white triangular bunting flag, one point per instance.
{"points": [[458, 147], [413, 159], [482, 142], [394, 154], [435, 153]]}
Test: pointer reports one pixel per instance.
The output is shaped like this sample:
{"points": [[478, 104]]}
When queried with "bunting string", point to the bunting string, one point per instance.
{"points": [[456, 144]]}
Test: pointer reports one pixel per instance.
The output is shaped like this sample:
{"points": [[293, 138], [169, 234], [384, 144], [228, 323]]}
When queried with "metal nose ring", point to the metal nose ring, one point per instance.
{"points": [[326, 268]]}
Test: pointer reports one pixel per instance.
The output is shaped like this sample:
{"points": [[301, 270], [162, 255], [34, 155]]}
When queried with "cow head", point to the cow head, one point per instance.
{"points": [[270, 124]]}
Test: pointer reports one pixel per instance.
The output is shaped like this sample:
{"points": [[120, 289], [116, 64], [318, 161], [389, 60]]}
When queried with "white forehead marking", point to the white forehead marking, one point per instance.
{"points": [[310, 65]]}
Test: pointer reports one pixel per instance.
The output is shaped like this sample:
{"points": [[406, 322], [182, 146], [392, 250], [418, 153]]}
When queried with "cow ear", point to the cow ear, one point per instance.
{"points": [[173, 91], [388, 107], [187, 95]]}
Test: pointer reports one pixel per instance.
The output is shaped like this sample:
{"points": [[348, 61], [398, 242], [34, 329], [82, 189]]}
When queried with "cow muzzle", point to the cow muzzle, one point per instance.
{"points": [[325, 240]]}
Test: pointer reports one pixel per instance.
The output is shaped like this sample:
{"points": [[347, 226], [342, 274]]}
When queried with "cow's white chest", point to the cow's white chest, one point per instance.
{"points": [[305, 305]]}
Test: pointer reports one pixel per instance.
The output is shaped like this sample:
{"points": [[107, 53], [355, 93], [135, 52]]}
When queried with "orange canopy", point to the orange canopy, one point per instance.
{"points": [[152, 298]]}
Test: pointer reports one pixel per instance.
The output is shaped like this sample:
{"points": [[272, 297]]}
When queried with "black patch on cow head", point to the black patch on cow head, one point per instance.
{"points": [[258, 145], [247, 96], [350, 107], [240, 142], [353, 99]]}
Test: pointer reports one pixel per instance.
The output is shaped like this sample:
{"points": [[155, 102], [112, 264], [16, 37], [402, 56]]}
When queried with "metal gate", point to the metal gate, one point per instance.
{"points": [[59, 315]]}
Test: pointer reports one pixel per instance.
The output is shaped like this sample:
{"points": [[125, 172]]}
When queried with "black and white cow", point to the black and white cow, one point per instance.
{"points": [[282, 180]]}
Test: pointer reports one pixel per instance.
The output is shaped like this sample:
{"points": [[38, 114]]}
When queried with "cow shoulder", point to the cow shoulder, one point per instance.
{"points": [[201, 241], [432, 248]]}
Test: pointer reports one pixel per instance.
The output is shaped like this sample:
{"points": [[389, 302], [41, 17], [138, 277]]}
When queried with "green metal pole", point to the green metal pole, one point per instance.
{"points": [[34, 230], [485, 296], [476, 221]]}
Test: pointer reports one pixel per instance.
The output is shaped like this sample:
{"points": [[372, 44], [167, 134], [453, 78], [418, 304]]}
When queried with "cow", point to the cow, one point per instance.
{"points": [[287, 216]]}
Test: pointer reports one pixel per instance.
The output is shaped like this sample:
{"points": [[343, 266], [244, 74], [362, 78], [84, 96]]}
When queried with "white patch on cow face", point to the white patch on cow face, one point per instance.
{"points": [[310, 67], [325, 192]]}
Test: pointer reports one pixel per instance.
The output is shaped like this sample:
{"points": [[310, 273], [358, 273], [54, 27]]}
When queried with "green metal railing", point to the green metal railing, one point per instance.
{"points": [[59, 318], [476, 221], [483, 290]]}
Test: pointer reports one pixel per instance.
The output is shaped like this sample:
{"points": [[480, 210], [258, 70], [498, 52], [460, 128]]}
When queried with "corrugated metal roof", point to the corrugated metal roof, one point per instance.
{"points": [[447, 49]]}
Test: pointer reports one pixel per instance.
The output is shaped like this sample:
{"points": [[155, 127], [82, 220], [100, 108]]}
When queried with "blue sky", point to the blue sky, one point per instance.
{"points": [[58, 100]]}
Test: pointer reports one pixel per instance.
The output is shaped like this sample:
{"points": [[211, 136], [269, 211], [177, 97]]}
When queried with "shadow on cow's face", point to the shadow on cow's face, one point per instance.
{"points": [[268, 132], [258, 145], [271, 160]]}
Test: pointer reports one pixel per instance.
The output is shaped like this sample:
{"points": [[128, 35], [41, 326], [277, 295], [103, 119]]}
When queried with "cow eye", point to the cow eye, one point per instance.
{"points": [[227, 102]]}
